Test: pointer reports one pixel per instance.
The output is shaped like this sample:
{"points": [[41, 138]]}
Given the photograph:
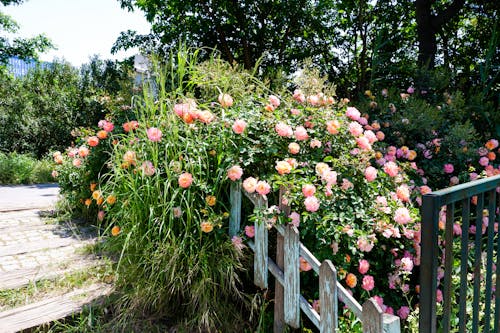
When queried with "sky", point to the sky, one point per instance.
{"points": [[78, 28]]}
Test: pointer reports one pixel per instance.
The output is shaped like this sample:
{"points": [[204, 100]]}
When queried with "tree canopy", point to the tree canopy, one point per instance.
{"points": [[20, 47]]}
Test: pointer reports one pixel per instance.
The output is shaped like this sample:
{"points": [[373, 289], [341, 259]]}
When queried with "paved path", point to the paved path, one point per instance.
{"points": [[22, 197], [32, 249]]}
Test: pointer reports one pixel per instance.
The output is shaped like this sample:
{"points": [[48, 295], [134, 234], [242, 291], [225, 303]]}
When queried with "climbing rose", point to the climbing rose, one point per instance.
{"points": [[294, 148], [283, 130], [370, 173], [368, 283], [301, 133], [311, 203], [352, 113], [351, 280], [83, 151], [235, 172], [308, 190], [304, 265], [250, 231], [250, 184], [333, 126], [403, 193], [262, 187], [364, 266], [391, 169], [448, 168], [295, 217], [315, 143], [283, 167], [355, 128], [93, 141], [225, 100], [239, 126], [403, 312], [274, 101], [402, 215]]}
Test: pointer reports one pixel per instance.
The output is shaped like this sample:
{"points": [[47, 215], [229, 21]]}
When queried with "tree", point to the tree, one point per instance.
{"points": [[24, 48]]}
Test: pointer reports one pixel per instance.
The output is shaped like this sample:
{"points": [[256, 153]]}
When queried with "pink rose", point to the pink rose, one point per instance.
{"points": [[448, 168], [283, 167], [404, 311], [355, 128], [274, 101], [239, 126], [363, 143], [311, 203], [402, 215], [295, 217], [391, 169], [368, 283], [364, 245], [484, 161], [352, 113], [154, 134], [235, 172], [148, 168], [262, 187], [315, 143], [301, 133], [283, 129], [333, 126], [304, 265], [363, 266], [225, 100], [370, 173], [250, 231], [403, 193], [308, 190]]}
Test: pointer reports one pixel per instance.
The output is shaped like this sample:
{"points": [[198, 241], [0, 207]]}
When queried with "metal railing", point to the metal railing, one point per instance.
{"points": [[464, 241], [288, 300]]}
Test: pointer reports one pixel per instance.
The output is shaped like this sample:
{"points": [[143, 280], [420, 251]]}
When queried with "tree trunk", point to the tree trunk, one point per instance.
{"points": [[426, 34]]}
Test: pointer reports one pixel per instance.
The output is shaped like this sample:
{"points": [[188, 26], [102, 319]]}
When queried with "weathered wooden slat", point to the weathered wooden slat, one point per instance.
{"points": [[51, 309], [292, 277], [235, 201], [261, 247], [328, 298], [42, 244], [391, 323], [304, 251], [279, 293], [349, 301], [309, 311], [376, 321], [24, 276]]}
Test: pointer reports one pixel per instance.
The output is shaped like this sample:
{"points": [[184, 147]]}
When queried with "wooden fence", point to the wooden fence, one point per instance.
{"points": [[288, 299]]}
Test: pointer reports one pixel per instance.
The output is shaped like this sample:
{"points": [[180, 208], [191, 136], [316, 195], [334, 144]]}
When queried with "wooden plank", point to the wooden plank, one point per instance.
{"points": [[328, 298], [391, 323], [51, 309], [21, 277], [42, 244], [261, 248], [309, 311], [304, 252], [292, 277], [235, 201], [372, 317], [279, 297]]}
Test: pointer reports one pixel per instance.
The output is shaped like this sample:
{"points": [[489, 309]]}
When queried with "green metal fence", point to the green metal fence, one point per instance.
{"points": [[460, 259]]}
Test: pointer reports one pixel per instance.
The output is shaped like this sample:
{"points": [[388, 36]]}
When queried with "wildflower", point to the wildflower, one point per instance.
{"points": [[211, 200], [294, 148], [410, 90], [402, 215], [115, 231], [96, 194], [225, 100], [102, 134], [312, 204], [108, 126], [154, 134], [301, 133], [448, 168], [370, 173], [391, 169], [206, 226], [262, 187], [352, 113], [147, 168], [88, 202], [333, 126], [250, 184], [239, 126], [308, 190], [238, 243], [130, 126], [177, 211], [250, 231], [351, 280], [93, 141], [304, 266], [129, 157], [235, 172], [283, 167], [185, 180], [100, 215], [111, 199], [368, 283]]}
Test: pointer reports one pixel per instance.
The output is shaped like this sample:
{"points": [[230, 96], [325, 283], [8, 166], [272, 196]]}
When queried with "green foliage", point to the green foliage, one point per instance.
{"points": [[24, 169]]}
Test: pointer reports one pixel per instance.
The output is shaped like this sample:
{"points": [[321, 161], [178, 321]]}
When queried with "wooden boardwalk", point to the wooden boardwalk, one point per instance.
{"points": [[31, 251]]}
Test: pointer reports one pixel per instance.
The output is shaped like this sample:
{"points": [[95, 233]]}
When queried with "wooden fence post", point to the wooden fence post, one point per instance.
{"points": [[261, 245], [328, 298], [235, 217], [292, 277], [375, 321]]}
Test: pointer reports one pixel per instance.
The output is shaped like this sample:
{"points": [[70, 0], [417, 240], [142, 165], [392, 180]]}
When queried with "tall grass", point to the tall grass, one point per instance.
{"points": [[24, 169], [167, 266]]}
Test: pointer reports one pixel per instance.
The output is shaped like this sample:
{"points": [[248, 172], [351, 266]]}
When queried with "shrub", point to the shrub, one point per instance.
{"points": [[24, 169]]}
